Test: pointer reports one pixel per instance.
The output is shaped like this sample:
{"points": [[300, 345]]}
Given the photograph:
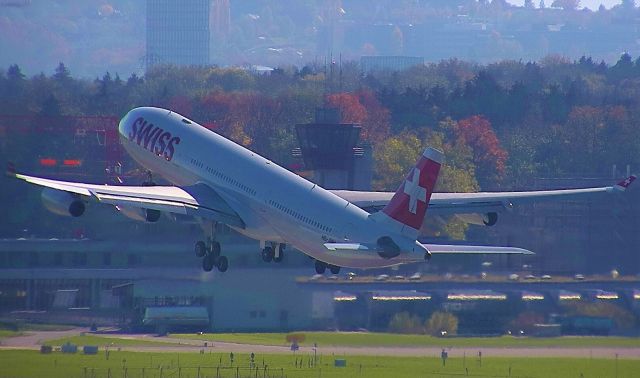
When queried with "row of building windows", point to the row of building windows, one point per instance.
{"points": [[300, 217]]}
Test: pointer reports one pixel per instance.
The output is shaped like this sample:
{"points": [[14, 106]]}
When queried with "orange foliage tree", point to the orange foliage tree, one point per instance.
{"points": [[490, 158], [247, 118], [364, 108]]}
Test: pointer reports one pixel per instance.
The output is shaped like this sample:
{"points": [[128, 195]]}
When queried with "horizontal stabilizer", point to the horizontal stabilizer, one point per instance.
{"points": [[444, 249], [345, 247]]}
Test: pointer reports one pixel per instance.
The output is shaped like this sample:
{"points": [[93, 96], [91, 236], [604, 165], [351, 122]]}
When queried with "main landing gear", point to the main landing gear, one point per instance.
{"points": [[321, 267], [209, 251], [273, 252]]}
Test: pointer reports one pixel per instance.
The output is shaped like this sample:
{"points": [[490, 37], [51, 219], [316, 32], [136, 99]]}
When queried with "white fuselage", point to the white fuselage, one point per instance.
{"points": [[275, 204]]}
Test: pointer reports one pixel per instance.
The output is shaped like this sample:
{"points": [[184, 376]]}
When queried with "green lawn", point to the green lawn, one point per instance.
{"points": [[4, 333], [105, 341], [45, 327], [15, 325], [387, 339], [20, 364]]}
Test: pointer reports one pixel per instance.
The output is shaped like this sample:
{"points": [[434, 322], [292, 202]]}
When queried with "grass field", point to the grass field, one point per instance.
{"points": [[105, 341], [7, 333], [44, 327], [20, 364], [14, 325], [387, 339]]}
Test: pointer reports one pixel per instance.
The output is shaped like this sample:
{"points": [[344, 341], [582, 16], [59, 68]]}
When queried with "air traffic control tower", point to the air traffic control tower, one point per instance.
{"points": [[330, 149]]}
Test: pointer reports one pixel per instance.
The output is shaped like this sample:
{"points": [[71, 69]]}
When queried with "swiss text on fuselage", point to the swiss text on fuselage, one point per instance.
{"points": [[153, 138]]}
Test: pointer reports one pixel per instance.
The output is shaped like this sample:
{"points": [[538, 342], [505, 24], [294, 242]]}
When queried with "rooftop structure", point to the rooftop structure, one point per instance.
{"points": [[330, 149]]}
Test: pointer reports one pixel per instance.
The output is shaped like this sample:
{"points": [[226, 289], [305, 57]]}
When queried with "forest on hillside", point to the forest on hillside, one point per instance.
{"points": [[500, 125]]}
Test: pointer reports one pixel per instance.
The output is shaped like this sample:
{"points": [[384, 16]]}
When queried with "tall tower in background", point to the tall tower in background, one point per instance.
{"points": [[219, 24], [220, 19], [178, 32]]}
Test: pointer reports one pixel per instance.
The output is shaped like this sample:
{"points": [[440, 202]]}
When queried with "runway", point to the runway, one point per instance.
{"points": [[33, 340]]}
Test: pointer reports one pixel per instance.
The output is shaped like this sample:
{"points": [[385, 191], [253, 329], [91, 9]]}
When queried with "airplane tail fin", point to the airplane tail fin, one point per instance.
{"points": [[408, 206]]}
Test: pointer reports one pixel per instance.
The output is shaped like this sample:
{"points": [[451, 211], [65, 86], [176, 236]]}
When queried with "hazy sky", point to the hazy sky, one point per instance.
{"points": [[591, 4]]}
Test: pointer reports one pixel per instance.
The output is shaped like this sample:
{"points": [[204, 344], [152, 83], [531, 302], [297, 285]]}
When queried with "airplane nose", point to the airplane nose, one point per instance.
{"points": [[124, 127], [124, 124]]}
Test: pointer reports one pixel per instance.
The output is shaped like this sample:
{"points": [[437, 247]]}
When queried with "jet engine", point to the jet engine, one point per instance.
{"points": [[483, 219], [387, 248], [139, 214], [62, 203], [490, 219]]}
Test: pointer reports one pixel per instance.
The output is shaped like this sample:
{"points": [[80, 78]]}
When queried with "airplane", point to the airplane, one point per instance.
{"points": [[218, 181]]}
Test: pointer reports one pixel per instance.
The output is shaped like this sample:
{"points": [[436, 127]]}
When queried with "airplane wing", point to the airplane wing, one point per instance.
{"points": [[197, 200], [449, 249], [479, 203], [439, 249]]}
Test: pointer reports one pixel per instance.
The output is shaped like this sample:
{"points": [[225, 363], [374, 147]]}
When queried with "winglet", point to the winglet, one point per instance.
{"points": [[11, 169], [624, 184]]}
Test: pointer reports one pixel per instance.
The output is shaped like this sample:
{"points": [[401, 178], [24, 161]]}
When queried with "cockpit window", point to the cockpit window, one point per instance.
{"points": [[184, 120]]}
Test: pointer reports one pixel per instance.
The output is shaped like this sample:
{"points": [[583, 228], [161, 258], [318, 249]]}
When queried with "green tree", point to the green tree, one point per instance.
{"points": [[441, 322], [623, 318], [404, 322], [396, 155], [393, 159], [62, 73], [566, 4]]}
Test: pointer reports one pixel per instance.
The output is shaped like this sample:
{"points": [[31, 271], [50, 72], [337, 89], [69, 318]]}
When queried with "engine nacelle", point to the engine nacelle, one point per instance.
{"points": [[139, 214], [480, 219], [62, 203], [490, 219], [388, 249]]}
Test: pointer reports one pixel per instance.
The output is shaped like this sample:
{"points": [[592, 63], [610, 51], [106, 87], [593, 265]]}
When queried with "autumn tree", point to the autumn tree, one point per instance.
{"points": [[526, 321], [296, 338], [489, 157], [363, 108], [441, 324], [396, 155], [393, 159]]}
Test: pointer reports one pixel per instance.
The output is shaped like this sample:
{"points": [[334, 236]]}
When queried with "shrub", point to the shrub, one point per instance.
{"points": [[441, 322], [297, 338], [404, 322]]}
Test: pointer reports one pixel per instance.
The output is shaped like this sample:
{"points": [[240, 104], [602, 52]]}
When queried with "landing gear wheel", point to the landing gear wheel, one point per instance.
{"points": [[201, 249], [223, 263], [208, 263], [267, 254], [334, 269], [215, 249], [280, 257], [320, 267]]}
